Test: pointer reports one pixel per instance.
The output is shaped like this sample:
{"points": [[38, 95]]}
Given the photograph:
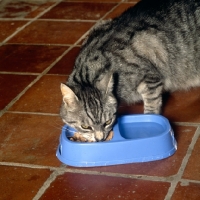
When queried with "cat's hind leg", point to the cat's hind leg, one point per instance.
{"points": [[151, 91]]}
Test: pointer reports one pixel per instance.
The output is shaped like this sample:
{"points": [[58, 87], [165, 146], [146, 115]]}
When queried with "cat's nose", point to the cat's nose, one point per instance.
{"points": [[99, 136], [99, 140]]}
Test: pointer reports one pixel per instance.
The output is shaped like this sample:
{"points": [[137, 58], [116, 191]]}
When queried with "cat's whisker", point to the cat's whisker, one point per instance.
{"points": [[57, 124], [65, 128], [59, 128]]}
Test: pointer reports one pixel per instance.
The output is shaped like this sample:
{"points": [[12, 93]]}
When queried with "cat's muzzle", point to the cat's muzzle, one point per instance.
{"points": [[100, 136]]}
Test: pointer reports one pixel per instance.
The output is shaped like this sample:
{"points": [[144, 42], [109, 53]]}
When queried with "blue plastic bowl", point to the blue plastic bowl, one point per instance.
{"points": [[137, 138]]}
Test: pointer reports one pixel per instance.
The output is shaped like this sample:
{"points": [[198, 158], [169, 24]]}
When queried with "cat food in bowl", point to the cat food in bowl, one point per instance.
{"points": [[137, 138], [77, 137]]}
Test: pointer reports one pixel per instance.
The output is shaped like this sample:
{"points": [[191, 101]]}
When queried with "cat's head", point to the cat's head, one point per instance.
{"points": [[90, 110]]}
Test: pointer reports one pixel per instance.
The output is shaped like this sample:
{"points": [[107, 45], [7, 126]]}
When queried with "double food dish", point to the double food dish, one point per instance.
{"points": [[137, 138]]}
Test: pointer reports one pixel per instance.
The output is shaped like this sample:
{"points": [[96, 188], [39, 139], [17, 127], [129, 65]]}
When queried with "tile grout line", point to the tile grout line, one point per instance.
{"points": [[68, 20], [46, 184], [48, 19], [187, 123], [189, 180], [180, 172], [52, 64], [31, 166], [59, 58], [29, 22], [33, 113], [31, 84], [63, 169], [34, 81], [40, 44], [30, 73], [57, 114], [40, 75], [118, 175], [19, 73], [48, 68], [117, 4]]}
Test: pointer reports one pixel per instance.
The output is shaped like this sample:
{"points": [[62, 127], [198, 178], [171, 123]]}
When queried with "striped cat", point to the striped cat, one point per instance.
{"points": [[152, 47]]}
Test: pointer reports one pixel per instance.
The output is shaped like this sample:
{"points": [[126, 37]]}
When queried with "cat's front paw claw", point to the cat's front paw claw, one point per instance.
{"points": [[78, 138]]}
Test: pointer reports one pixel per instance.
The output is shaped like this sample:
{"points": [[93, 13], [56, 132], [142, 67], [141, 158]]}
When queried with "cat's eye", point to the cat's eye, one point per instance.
{"points": [[108, 122], [85, 126]]}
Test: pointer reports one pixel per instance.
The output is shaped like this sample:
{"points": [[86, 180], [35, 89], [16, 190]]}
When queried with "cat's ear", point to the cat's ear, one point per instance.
{"points": [[69, 97], [105, 84]]}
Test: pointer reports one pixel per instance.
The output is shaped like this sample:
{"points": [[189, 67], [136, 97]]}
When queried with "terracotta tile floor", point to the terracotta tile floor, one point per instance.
{"points": [[39, 43]]}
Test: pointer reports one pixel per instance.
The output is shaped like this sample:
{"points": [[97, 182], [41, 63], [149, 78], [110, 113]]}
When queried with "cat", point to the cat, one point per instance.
{"points": [[152, 47]]}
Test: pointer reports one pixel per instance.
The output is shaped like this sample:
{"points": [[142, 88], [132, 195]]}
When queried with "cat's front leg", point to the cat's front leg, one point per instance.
{"points": [[151, 92]]}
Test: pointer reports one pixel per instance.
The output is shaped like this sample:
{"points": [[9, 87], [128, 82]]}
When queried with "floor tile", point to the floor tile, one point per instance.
{"points": [[190, 191], [192, 170], [59, 32], [18, 183], [79, 186], [11, 86], [29, 58], [86, 10], [183, 106], [66, 64], [22, 9], [44, 96], [9, 27], [165, 167], [31, 139], [119, 10]]}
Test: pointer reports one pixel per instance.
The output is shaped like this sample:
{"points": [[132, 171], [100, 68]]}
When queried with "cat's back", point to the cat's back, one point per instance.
{"points": [[165, 32]]}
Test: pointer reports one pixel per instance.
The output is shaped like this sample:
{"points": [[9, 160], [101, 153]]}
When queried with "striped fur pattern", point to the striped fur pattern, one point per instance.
{"points": [[152, 47]]}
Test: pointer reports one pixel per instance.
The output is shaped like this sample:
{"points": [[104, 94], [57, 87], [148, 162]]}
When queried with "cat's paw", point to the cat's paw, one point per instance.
{"points": [[110, 136], [78, 138]]}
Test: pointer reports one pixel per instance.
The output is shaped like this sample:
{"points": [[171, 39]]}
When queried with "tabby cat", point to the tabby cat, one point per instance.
{"points": [[152, 47]]}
